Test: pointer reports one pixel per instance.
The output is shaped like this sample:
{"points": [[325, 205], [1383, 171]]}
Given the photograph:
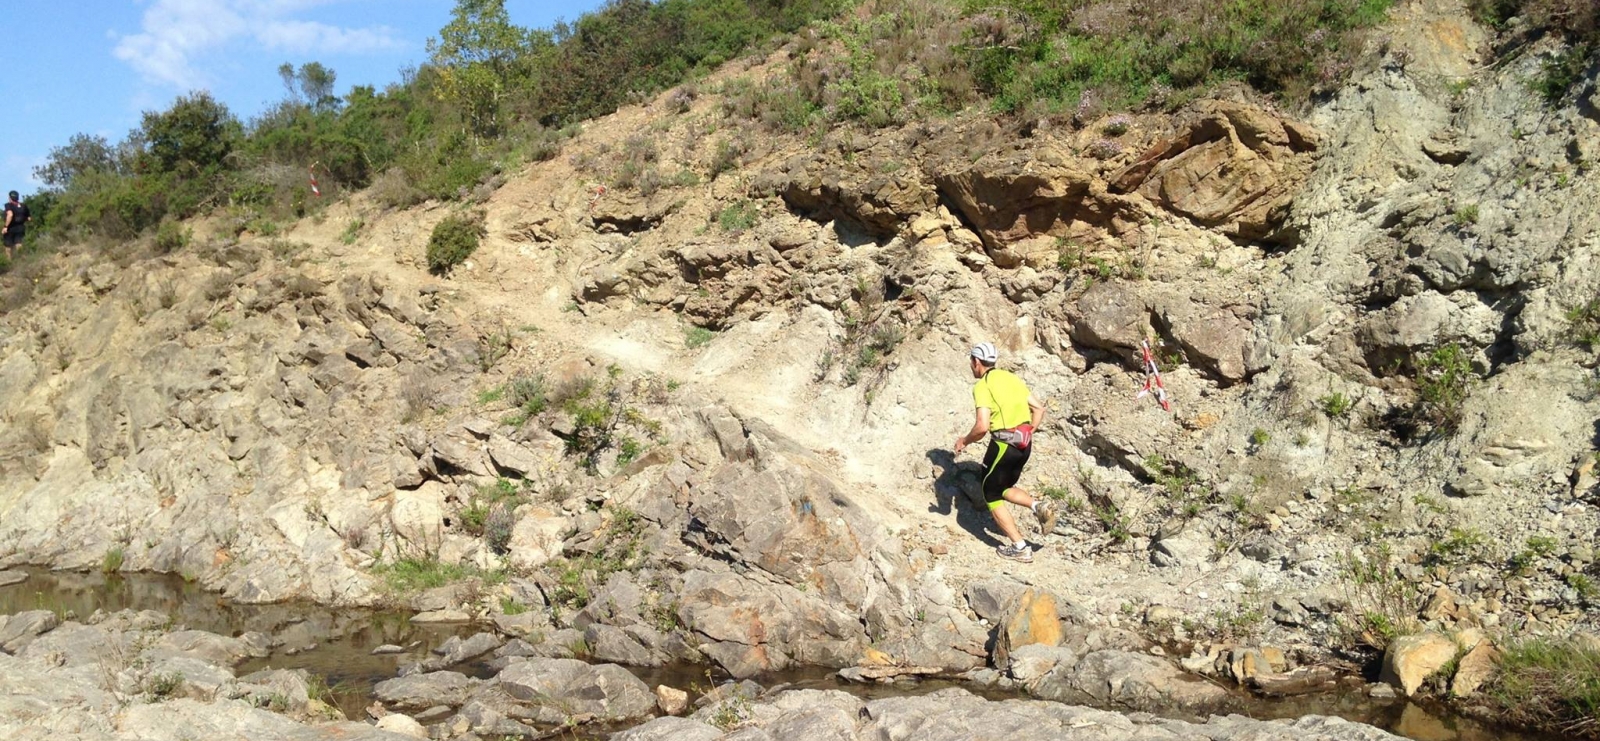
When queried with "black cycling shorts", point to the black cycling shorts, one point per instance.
{"points": [[12, 239], [1002, 466]]}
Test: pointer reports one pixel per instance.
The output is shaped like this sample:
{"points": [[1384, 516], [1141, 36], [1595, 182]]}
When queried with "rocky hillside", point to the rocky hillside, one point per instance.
{"points": [[707, 416]]}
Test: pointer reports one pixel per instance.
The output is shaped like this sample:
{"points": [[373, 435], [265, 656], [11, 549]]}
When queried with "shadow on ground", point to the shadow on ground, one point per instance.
{"points": [[956, 490]]}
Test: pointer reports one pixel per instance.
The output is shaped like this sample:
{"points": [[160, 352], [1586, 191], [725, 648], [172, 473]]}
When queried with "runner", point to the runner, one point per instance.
{"points": [[16, 225], [1005, 406]]}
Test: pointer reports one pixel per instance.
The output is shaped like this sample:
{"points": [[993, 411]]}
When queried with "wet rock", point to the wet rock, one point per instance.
{"points": [[422, 691], [750, 628], [185, 718], [387, 649], [1412, 659], [616, 646], [604, 691]]}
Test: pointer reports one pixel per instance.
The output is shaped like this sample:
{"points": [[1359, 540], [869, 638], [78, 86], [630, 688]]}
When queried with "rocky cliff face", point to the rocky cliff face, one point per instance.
{"points": [[280, 417]]}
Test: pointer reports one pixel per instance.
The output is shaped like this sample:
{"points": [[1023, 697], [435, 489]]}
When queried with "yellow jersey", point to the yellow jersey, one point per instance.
{"points": [[1006, 398]]}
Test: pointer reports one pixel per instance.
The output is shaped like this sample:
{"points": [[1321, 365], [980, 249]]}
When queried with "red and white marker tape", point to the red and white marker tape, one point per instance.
{"points": [[1152, 379]]}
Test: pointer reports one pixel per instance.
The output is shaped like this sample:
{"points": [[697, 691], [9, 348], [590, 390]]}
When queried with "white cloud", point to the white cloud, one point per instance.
{"points": [[178, 33]]}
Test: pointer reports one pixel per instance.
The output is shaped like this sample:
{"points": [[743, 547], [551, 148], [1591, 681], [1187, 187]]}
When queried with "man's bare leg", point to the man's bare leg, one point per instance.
{"points": [[1008, 525], [1022, 498]]}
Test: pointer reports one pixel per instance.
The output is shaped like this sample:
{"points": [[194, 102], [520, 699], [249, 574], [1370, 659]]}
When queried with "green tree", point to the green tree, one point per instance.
{"points": [[479, 54], [82, 154], [311, 85], [195, 135]]}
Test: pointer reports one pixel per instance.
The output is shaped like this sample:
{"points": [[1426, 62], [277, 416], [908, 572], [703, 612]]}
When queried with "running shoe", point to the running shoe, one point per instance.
{"points": [[1023, 554]]}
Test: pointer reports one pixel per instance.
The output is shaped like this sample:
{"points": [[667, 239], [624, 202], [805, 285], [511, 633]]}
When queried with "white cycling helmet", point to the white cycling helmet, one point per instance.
{"points": [[986, 354]]}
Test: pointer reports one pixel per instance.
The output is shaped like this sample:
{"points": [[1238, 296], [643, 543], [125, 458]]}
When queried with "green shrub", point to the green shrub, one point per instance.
{"points": [[1382, 605], [351, 231], [1443, 379], [737, 217], [1459, 546], [1465, 215], [454, 239], [528, 394], [1259, 437], [695, 337], [416, 574], [111, 562], [1335, 405], [172, 236]]}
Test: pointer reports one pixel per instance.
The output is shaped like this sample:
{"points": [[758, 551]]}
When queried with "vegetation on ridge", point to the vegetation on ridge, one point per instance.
{"points": [[492, 95]]}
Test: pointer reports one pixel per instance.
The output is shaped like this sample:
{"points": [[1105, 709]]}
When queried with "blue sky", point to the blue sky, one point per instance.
{"points": [[94, 67]]}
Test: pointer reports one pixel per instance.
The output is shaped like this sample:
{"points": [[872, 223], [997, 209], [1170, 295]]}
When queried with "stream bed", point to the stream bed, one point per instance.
{"points": [[338, 645]]}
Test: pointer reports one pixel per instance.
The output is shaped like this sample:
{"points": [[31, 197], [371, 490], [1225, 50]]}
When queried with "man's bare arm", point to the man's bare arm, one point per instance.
{"points": [[1038, 412], [980, 427]]}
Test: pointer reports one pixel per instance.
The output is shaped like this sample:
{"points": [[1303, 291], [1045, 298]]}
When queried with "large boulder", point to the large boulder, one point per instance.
{"points": [[1111, 316], [423, 691], [751, 628], [537, 536], [1012, 196], [1034, 621], [826, 189], [1411, 659], [1130, 680], [1234, 167], [17, 631], [604, 691]]}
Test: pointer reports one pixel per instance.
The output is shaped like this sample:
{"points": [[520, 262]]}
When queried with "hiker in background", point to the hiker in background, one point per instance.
{"points": [[1008, 413], [15, 226]]}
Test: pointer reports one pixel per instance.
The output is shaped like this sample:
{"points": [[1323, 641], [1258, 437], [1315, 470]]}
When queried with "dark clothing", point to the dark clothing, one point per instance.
{"points": [[1002, 465], [18, 213], [12, 239], [19, 219]]}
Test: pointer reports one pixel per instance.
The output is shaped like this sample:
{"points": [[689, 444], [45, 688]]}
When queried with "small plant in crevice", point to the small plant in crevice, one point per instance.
{"points": [[493, 347], [696, 337], [528, 395], [737, 217], [352, 230], [1115, 522], [1443, 379], [622, 548], [111, 562], [1335, 405], [1465, 215], [1583, 324], [603, 417]]}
